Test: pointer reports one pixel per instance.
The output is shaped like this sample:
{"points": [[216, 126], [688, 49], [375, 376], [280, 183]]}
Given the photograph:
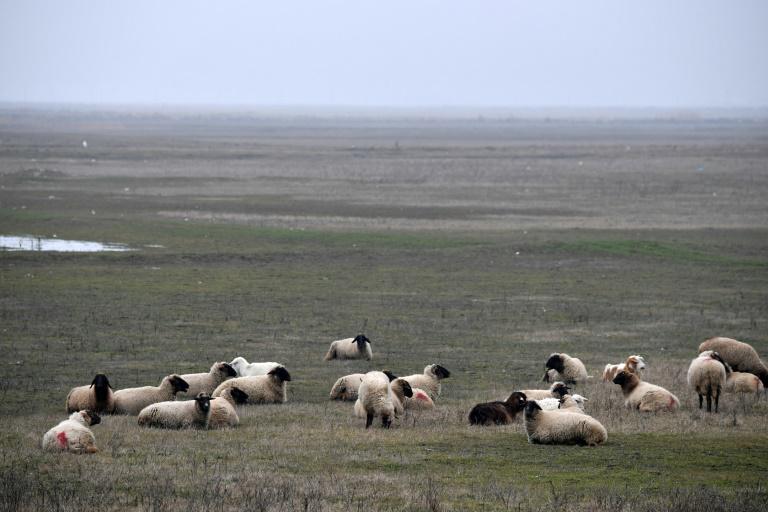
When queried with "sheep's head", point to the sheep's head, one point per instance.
{"points": [[226, 369], [361, 340], [406, 387], [439, 372], [238, 395], [391, 376], [532, 409], [517, 400], [178, 384], [555, 362], [90, 417], [625, 377], [280, 373], [559, 389], [101, 387], [203, 402]]}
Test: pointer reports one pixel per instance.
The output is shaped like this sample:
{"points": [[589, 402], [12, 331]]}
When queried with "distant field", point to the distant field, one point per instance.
{"points": [[481, 245]]}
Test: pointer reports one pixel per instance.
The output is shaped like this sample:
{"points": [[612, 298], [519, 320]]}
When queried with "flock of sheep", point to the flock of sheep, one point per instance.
{"points": [[551, 416]]}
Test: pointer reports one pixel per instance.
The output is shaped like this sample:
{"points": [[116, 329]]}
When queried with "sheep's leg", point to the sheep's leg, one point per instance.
{"points": [[717, 399], [701, 400], [709, 400], [368, 420], [386, 421]]}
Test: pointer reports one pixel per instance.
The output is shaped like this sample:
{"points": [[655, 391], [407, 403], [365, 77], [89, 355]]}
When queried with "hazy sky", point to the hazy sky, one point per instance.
{"points": [[671, 53]]}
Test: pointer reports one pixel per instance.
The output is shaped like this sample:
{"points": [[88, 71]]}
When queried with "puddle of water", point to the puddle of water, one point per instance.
{"points": [[33, 243]]}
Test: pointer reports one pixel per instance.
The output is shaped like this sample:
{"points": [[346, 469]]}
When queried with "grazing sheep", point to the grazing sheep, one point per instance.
{"points": [[261, 389], [358, 347], [635, 363], [644, 396], [741, 356], [97, 397], [562, 367], [133, 400], [706, 375], [246, 369], [346, 387], [177, 414], [741, 382], [553, 404], [556, 390], [429, 381], [73, 434], [401, 392], [498, 413], [207, 382], [420, 401], [223, 412], [553, 427], [375, 399]]}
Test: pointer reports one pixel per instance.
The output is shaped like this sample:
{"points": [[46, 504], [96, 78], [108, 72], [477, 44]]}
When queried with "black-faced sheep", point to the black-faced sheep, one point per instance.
{"points": [[97, 397], [177, 414], [644, 396], [429, 381], [562, 367], [73, 434], [401, 392], [223, 408], [345, 388], [133, 400], [358, 347], [707, 375], [556, 390], [553, 427], [739, 355], [207, 382], [375, 399], [635, 363], [498, 413], [261, 389]]}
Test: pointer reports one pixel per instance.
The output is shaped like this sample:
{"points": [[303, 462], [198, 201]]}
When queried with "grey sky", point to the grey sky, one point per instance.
{"points": [[671, 53]]}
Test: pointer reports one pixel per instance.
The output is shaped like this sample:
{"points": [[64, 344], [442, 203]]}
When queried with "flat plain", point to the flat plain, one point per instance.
{"points": [[480, 244]]}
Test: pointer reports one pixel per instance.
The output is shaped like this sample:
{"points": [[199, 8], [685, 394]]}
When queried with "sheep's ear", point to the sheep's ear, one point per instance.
{"points": [[389, 375], [229, 370], [280, 372]]}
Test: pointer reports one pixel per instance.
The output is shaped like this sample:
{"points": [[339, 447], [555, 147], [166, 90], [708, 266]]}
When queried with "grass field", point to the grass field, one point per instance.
{"points": [[481, 246]]}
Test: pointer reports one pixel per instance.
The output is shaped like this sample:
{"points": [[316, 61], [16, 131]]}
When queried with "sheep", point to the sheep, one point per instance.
{"points": [[346, 387], [358, 347], [223, 412], [133, 400], [635, 363], [429, 381], [553, 404], [375, 399], [177, 414], [565, 368], [741, 356], [644, 396], [73, 434], [401, 392], [556, 390], [261, 389], [420, 401], [207, 382], [246, 369], [742, 382], [706, 375], [572, 403], [498, 413], [552, 427], [97, 397]]}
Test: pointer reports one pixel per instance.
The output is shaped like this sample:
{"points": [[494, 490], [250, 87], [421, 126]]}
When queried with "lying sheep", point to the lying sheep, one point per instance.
{"points": [[562, 367], [97, 397], [375, 399], [644, 396], [261, 389], [572, 403], [498, 413], [177, 414], [223, 412], [553, 404], [741, 382], [73, 434], [741, 356], [634, 363], [207, 382], [133, 400], [429, 381], [553, 427], [706, 375], [556, 390], [246, 369], [358, 347], [346, 387]]}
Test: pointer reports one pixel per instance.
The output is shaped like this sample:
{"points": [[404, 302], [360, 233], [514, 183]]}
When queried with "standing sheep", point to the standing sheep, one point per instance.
{"points": [[177, 414], [740, 356], [498, 413], [644, 396], [635, 363], [133, 400], [97, 397], [375, 399], [401, 392], [223, 412], [553, 427], [207, 382], [246, 369], [565, 368], [429, 381], [706, 375], [556, 390], [261, 389], [73, 434], [358, 347], [346, 387]]}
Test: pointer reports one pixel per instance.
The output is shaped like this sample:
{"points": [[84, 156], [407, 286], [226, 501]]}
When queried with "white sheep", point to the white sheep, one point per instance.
{"points": [[345, 388], [133, 400], [553, 427], [707, 375], [246, 369], [207, 382], [401, 392], [420, 401], [742, 382], [556, 390], [358, 347], [261, 389], [562, 367], [177, 414], [567, 402], [429, 381], [739, 355], [97, 397], [644, 396], [223, 412], [375, 399], [73, 434], [635, 363]]}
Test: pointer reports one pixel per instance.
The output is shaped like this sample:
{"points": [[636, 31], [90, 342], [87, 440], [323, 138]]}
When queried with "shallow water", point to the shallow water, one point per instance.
{"points": [[33, 243]]}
